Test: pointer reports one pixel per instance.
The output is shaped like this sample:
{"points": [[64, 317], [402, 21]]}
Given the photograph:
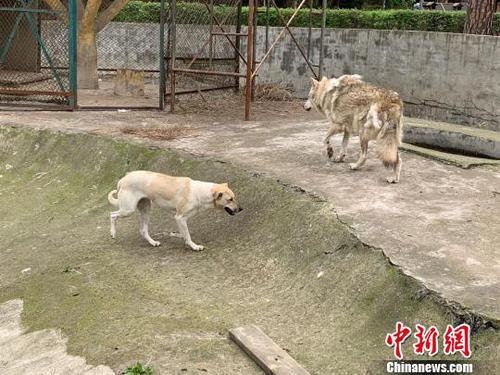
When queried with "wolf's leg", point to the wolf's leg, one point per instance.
{"points": [[183, 228], [144, 207], [397, 171], [362, 154], [345, 142], [335, 129]]}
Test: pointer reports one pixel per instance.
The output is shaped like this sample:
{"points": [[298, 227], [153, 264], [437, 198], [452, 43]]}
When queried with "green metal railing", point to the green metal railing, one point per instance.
{"points": [[65, 89]]}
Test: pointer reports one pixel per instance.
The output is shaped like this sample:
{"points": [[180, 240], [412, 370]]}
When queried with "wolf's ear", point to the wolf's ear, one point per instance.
{"points": [[333, 83]]}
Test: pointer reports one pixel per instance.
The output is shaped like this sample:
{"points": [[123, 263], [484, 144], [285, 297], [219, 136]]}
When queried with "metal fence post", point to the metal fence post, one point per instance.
{"points": [[250, 58], [322, 37], [162, 83], [72, 49], [238, 46], [173, 56]]}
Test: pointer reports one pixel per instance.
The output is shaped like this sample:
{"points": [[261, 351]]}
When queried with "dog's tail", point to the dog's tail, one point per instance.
{"points": [[388, 141], [112, 199]]}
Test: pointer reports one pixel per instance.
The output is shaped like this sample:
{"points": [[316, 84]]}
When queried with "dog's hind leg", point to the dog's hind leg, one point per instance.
{"points": [[144, 207], [335, 129], [362, 155], [183, 228], [127, 203], [114, 217]]}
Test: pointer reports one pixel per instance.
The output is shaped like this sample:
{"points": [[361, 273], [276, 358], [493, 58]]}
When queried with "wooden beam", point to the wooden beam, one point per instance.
{"points": [[265, 352]]}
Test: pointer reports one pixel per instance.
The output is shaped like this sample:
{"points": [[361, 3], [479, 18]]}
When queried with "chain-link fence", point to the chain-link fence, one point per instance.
{"points": [[203, 45], [35, 66]]}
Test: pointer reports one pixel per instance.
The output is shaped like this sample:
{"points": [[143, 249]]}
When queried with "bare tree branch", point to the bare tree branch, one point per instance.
{"points": [[90, 14], [79, 10], [111, 12], [58, 7]]}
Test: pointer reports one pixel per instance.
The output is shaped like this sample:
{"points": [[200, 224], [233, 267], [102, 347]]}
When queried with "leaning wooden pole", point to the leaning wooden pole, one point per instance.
{"points": [[250, 58]]}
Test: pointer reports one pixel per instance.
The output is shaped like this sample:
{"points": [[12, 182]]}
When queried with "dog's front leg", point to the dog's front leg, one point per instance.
{"points": [[183, 228]]}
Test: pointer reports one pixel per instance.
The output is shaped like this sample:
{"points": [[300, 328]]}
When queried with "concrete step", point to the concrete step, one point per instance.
{"points": [[39, 352], [461, 161], [453, 138]]}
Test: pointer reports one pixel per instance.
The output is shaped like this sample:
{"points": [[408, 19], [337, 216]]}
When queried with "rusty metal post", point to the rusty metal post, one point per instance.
{"points": [[250, 58], [267, 25], [162, 85], [309, 31], [173, 56], [321, 41], [211, 40], [256, 5]]}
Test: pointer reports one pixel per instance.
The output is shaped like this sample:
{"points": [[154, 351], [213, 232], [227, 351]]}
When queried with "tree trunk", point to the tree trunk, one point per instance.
{"points": [[479, 19], [87, 60]]}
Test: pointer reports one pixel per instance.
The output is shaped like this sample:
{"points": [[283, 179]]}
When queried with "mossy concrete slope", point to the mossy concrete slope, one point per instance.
{"points": [[285, 263]]}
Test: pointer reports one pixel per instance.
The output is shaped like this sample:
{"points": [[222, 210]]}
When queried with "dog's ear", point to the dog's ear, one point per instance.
{"points": [[217, 194], [314, 82], [224, 184]]}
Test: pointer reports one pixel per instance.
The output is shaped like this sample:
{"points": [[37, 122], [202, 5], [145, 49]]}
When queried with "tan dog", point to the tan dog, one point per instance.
{"points": [[356, 107], [138, 189]]}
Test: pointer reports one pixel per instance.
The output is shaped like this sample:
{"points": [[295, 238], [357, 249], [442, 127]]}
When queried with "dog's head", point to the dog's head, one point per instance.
{"points": [[224, 198]]}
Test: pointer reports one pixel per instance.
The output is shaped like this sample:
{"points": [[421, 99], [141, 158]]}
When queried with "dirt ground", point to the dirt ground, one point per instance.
{"points": [[326, 291]]}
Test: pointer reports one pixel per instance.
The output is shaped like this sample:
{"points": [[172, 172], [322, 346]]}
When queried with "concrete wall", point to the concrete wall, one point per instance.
{"points": [[441, 76]]}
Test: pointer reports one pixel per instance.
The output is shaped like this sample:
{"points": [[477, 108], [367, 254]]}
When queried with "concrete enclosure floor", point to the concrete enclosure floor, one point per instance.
{"points": [[288, 263], [441, 224]]}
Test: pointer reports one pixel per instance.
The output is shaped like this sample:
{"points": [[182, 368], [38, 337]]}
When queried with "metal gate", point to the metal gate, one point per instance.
{"points": [[203, 50], [38, 53]]}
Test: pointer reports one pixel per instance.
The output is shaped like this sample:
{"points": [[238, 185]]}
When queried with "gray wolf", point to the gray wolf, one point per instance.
{"points": [[186, 196], [356, 107]]}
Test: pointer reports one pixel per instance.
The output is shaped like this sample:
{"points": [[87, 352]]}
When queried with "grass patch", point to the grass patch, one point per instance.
{"points": [[138, 369]]}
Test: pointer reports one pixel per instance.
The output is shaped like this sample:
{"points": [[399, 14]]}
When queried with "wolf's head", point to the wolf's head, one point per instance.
{"points": [[319, 89], [313, 93]]}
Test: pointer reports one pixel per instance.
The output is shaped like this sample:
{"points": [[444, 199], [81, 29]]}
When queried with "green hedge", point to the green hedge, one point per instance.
{"points": [[141, 12]]}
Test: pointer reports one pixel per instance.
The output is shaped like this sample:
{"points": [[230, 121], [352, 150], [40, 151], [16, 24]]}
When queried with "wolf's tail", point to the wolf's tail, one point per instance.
{"points": [[112, 199], [388, 141]]}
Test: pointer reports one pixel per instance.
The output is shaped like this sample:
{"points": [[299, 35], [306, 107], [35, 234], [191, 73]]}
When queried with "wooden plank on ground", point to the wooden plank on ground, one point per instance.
{"points": [[268, 355]]}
